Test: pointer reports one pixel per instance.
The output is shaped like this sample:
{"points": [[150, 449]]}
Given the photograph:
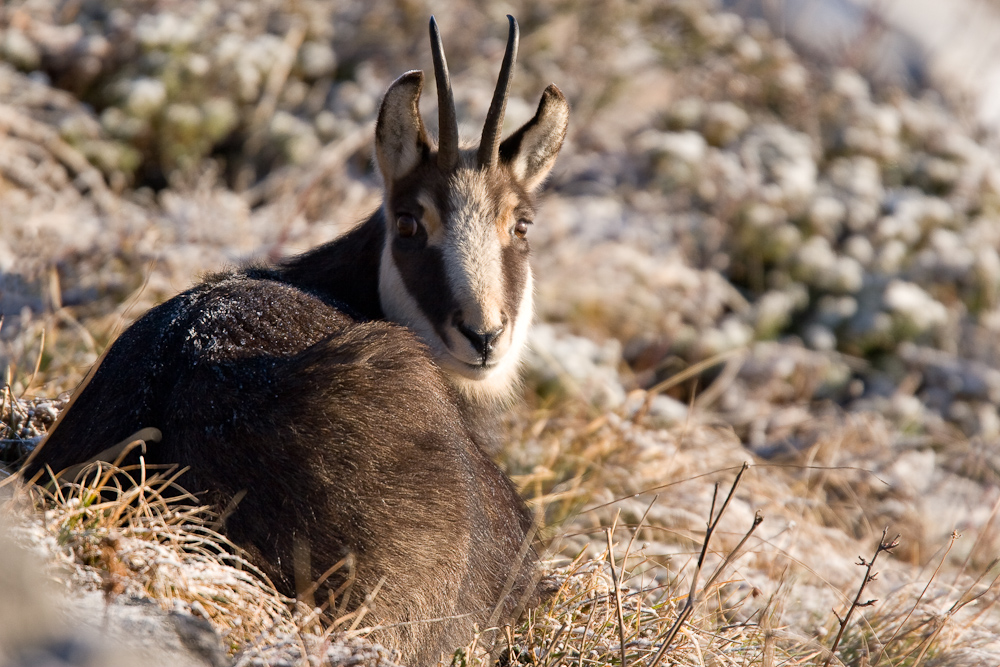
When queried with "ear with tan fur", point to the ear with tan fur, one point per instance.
{"points": [[531, 151], [400, 138]]}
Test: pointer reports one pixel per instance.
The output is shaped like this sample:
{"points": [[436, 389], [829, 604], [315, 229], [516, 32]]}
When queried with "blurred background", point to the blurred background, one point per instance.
{"points": [[808, 181], [801, 196]]}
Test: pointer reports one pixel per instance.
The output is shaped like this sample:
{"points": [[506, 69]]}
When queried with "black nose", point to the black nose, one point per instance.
{"points": [[482, 341]]}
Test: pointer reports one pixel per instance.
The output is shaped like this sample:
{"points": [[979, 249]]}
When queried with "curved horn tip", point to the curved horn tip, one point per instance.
{"points": [[447, 123], [490, 143]]}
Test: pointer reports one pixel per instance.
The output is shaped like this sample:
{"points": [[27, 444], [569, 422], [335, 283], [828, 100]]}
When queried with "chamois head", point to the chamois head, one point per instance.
{"points": [[455, 261]]}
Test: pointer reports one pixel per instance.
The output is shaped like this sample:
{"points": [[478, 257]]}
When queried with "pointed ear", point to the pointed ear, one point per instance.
{"points": [[400, 138], [531, 151]]}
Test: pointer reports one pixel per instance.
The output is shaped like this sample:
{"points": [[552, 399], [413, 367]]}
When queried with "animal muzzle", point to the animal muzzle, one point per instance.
{"points": [[478, 342]]}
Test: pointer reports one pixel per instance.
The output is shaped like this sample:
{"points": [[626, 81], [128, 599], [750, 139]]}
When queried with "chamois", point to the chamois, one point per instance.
{"points": [[344, 400]]}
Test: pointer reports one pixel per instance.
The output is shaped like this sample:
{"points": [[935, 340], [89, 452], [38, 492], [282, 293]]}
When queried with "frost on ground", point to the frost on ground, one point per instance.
{"points": [[743, 256]]}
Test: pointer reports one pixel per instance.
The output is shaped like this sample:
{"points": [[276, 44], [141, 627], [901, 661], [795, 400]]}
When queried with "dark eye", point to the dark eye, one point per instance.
{"points": [[521, 229], [406, 225]]}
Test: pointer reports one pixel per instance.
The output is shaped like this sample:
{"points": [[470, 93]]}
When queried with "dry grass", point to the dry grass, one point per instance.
{"points": [[591, 621], [782, 600], [144, 536], [626, 506], [625, 592], [625, 503], [147, 536]]}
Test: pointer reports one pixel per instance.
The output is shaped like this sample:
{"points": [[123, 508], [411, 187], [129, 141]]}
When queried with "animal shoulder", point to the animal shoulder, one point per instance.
{"points": [[339, 403]]}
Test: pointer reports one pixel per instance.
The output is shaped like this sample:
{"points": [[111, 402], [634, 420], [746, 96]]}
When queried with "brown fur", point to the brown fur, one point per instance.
{"points": [[328, 431], [343, 435]]}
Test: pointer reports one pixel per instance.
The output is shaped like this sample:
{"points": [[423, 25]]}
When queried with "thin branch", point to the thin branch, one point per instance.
{"points": [[618, 594], [552, 644], [694, 596], [758, 519], [883, 546], [975, 545], [38, 366]]}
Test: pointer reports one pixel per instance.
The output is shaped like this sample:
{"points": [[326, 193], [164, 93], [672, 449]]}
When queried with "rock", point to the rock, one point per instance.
{"points": [[220, 117], [826, 216], [774, 154], [675, 156], [146, 97], [775, 311], [336, 650], [914, 310], [577, 366], [317, 60], [724, 123], [912, 473], [962, 379], [41, 624], [820, 338], [662, 411], [665, 412], [16, 48], [686, 113]]}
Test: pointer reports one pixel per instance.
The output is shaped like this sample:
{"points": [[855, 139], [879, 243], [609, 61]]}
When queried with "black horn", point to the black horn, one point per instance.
{"points": [[371, 372], [448, 125], [490, 144]]}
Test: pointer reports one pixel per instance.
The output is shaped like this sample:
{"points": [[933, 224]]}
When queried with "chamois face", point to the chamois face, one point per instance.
{"points": [[454, 264], [455, 269]]}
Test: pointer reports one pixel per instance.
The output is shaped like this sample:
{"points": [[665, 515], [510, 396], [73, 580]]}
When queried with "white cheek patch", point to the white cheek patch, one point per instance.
{"points": [[472, 254]]}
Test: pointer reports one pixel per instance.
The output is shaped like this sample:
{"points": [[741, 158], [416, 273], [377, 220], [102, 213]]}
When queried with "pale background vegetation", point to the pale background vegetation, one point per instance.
{"points": [[773, 237]]}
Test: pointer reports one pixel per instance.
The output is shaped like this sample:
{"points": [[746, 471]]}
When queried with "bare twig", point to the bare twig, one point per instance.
{"points": [[586, 631], [975, 545], [366, 605], [695, 596], [758, 518], [883, 546], [618, 594], [551, 647]]}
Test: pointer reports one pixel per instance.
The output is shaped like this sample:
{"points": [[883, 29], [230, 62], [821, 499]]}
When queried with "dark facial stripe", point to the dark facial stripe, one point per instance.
{"points": [[421, 268], [422, 271], [515, 275]]}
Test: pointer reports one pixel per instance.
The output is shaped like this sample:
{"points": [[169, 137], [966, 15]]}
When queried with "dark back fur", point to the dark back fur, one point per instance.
{"points": [[344, 437], [330, 432]]}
